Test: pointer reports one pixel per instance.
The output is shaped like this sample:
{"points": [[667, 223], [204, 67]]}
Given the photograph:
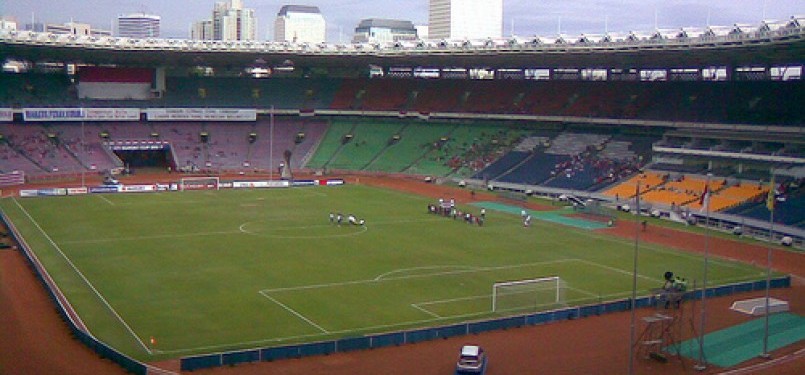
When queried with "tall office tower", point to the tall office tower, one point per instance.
{"points": [[138, 25], [201, 30], [465, 19], [299, 24], [379, 30], [230, 21]]}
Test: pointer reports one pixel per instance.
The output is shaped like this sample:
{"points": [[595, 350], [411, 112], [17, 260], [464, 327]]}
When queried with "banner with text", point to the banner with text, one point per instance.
{"points": [[81, 114], [200, 114], [260, 184], [6, 114]]}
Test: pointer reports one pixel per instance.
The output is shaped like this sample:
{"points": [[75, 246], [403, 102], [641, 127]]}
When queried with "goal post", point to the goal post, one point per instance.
{"points": [[532, 294], [199, 183]]}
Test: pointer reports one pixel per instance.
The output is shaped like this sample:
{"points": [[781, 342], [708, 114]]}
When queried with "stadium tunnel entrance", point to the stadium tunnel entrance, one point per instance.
{"points": [[145, 155]]}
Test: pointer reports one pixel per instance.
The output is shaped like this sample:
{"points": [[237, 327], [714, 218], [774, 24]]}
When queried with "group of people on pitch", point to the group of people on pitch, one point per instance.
{"points": [[449, 209], [338, 218]]}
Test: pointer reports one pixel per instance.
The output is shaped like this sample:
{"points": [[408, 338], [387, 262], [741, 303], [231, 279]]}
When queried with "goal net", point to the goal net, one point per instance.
{"points": [[199, 183], [532, 295]]}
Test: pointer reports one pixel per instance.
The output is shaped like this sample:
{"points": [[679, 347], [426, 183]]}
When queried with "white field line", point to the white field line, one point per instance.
{"points": [[618, 270], [80, 274], [296, 313], [440, 301], [105, 199], [406, 277], [402, 270], [426, 311], [155, 237], [256, 343]]}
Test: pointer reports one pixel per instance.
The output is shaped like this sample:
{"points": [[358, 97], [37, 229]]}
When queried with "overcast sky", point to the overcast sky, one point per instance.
{"points": [[524, 17]]}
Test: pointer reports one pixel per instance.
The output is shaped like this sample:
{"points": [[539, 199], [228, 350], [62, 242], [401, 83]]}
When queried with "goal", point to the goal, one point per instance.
{"points": [[533, 294], [199, 183]]}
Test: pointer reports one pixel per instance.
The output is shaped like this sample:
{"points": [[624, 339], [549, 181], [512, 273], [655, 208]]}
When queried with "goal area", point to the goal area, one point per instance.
{"points": [[199, 183], [531, 295]]}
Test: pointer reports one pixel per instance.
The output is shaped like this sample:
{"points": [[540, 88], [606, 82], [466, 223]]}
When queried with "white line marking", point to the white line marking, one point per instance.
{"points": [[431, 313], [105, 199], [155, 237], [292, 311], [362, 229], [384, 275], [446, 273], [80, 274], [440, 301], [618, 270]]}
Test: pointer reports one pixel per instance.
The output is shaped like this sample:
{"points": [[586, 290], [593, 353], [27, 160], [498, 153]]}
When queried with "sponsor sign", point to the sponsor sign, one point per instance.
{"points": [[6, 115], [104, 189], [260, 184], [29, 193], [77, 191], [331, 182], [137, 145], [304, 183], [137, 188], [81, 114], [52, 192], [200, 114]]}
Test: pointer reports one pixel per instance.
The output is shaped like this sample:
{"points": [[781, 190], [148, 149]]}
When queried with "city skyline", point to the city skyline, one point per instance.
{"points": [[522, 17]]}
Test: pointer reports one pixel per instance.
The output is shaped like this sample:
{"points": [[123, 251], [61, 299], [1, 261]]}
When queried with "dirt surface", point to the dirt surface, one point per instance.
{"points": [[33, 340], [787, 261]]}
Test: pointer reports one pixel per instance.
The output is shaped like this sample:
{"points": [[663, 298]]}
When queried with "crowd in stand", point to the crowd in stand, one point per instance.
{"points": [[600, 168]]}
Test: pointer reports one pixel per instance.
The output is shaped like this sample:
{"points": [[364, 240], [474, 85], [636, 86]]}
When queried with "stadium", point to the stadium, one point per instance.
{"points": [[362, 204]]}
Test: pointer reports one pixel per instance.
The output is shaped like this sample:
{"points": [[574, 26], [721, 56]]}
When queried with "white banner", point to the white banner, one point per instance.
{"points": [[200, 114], [29, 193], [6, 115], [116, 114], [77, 191], [138, 188], [81, 114], [260, 184]]}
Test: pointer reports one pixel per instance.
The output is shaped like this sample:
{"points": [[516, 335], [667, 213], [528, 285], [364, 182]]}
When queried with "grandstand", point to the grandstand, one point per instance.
{"points": [[592, 116]]}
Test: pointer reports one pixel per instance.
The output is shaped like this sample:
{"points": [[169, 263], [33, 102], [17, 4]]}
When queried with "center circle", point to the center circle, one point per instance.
{"points": [[273, 230]]}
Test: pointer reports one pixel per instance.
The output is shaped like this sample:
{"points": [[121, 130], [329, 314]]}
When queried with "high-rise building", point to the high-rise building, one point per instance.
{"points": [[8, 23], [376, 30], [299, 24], [76, 28], [230, 21], [138, 25], [465, 19], [201, 30]]}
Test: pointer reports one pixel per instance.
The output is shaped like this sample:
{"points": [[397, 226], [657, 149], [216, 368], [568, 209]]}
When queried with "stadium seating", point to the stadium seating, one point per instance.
{"points": [[627, 189], [789, 206], [42, 147]]}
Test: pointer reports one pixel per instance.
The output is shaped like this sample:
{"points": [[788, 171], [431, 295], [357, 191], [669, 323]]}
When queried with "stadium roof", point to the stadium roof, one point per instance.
{"points": [[297, 9], [386, 23], [768, 44]]}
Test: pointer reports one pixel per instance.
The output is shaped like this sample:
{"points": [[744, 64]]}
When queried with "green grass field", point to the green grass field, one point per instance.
{"points": [[205, 271]]}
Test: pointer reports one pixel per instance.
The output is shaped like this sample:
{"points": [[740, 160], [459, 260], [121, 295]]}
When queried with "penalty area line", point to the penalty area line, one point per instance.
{"points": [[294, 312], [426, 311], [105, 199]]}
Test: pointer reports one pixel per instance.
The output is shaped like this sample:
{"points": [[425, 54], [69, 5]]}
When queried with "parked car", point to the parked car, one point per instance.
{"points": [[471, 361]]}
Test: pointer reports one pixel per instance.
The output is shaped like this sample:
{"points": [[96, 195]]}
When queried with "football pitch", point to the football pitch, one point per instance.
{"points": [[172, 274]]}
